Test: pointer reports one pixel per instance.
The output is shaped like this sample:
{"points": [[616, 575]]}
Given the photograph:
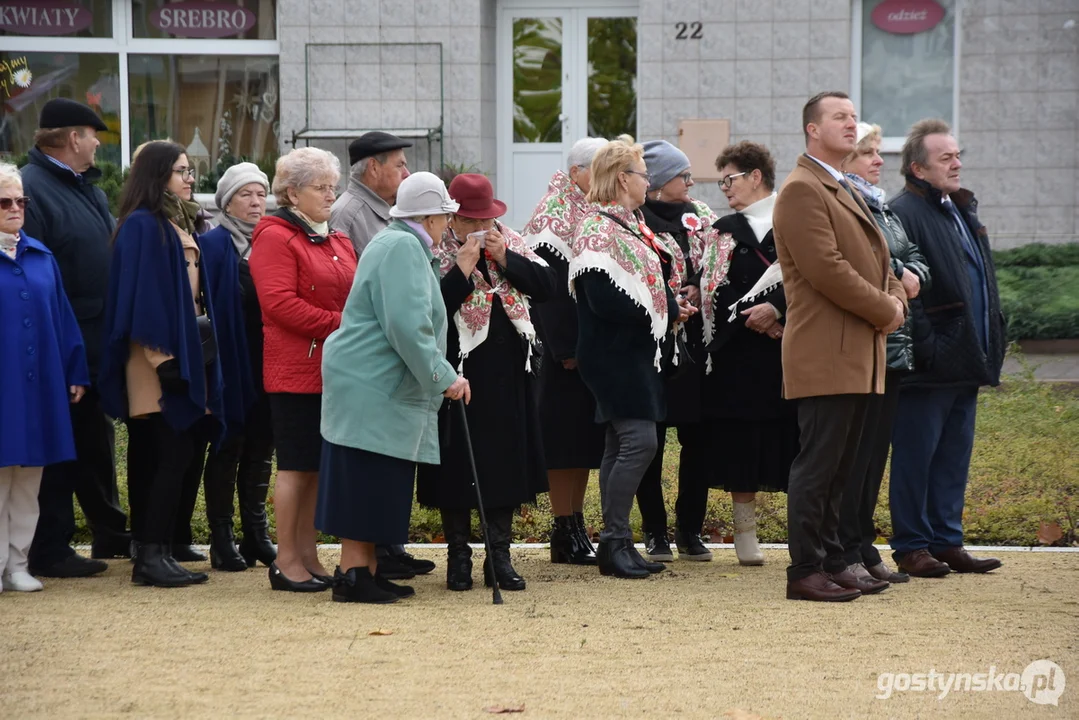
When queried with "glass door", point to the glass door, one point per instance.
{"points": [[565, 73]]}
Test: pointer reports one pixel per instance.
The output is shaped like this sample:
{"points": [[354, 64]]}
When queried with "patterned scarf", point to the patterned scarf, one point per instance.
{"points": [[181, 212], [473, 318], [630, 258], [874, 196], [556, 217]]}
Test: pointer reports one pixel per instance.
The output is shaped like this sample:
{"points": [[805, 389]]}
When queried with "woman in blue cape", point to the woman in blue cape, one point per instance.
{"points": [[161, 366]]}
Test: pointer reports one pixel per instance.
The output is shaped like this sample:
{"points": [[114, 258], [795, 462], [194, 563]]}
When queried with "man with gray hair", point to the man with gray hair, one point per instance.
{"points": [[378, 167], [959, 344]]}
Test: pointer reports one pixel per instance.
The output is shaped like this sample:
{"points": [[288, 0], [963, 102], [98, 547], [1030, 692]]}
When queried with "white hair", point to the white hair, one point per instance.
{"points": [[582, 152], [300, 167], [359, 168], [10, 176]]}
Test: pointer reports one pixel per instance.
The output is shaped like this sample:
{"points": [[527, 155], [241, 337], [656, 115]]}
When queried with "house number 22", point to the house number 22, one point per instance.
{"points": [[688, 31]]}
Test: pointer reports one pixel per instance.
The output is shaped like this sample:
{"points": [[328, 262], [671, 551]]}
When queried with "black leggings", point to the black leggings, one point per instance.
{"points": [[164, 467], [693, 483]]}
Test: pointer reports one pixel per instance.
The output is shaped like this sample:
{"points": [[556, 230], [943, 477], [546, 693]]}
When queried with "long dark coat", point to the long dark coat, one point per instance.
{"points": [[567, 409], [503, 418]]}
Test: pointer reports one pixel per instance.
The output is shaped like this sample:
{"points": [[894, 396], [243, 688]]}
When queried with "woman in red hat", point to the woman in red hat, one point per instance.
{"points": [[489, 279]]}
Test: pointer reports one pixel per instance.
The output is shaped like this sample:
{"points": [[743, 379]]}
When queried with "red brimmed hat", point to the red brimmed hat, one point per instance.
{"points": [[476, 197]]}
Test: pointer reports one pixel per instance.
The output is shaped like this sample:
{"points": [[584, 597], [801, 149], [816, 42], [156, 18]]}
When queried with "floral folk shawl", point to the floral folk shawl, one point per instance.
{"points": [[473, 318], [602, 245], [555, 219]]}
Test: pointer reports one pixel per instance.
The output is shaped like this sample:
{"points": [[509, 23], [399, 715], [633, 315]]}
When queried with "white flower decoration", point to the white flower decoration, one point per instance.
{"points": [[23, 77]]}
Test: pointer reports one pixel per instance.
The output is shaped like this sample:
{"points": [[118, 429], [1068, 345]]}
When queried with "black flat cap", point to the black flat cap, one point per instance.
{"points": [[61, 112], [374, 143]]}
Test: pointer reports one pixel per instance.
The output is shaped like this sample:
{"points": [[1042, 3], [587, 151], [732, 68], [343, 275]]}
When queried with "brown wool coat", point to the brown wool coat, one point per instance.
{"points": [[837, 278]]}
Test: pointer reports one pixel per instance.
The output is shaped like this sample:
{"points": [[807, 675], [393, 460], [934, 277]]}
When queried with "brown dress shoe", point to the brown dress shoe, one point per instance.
{"points": [[882, 572], [961, 561], [865, 583], [819, 587], [919, 563]]}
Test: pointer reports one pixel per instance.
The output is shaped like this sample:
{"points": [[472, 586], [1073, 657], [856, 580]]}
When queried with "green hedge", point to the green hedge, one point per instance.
{"points": [[1039, 291]]}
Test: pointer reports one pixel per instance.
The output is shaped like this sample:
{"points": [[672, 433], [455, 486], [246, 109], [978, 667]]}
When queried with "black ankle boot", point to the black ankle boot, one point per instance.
{"points": [[457, 527], [566, 543], [152, 567], [582, 532], [223, 553], [357, 585], [616, 558], [253, 484], [498, 566], [651, 567], [185, 552]]}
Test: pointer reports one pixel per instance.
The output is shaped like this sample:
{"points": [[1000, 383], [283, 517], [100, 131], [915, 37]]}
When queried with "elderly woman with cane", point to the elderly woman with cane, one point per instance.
{"points": [[489, 280], [389, 354], [626, 309]]}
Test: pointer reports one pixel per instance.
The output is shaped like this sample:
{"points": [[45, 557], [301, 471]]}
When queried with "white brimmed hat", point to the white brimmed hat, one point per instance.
{"points": [[423, 193]]}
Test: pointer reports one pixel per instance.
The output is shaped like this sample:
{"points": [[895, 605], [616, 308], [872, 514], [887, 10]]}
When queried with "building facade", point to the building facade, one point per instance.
{"points": [[506, 86]]}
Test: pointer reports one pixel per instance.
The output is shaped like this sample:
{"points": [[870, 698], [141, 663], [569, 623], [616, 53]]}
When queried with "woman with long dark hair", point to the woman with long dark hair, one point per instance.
{"points": [[160, 370]]}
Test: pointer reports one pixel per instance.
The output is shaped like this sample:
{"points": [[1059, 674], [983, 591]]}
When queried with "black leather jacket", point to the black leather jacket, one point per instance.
{"points": [[905, 258]]}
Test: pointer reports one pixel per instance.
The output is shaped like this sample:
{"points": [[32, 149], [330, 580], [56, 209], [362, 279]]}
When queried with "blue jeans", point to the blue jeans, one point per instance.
{"points": [[931, 446]]}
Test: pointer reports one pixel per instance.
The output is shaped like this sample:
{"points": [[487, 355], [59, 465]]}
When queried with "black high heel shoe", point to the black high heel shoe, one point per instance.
{"points": [[278, 581]]}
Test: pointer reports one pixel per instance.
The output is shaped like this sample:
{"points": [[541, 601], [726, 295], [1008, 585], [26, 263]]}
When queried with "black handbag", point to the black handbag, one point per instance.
{"points": [[207, 336]]}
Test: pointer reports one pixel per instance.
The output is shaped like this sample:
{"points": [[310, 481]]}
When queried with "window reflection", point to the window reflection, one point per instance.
{"points": [[612, 76], [537, 80]]}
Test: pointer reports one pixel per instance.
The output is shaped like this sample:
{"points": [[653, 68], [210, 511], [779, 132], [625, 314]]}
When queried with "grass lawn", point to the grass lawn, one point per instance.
{"points": [[1025, 472]]}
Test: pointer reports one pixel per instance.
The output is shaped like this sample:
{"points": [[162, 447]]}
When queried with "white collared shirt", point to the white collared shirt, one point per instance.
{"points": [[831, 170]]}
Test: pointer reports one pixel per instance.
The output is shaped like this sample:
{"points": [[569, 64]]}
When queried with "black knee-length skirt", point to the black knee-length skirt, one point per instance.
{"points": [[364, 496]]}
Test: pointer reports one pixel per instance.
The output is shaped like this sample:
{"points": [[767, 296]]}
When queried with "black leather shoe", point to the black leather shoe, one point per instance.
{"points": [[73, 566], [223, 553], [507, 577], [111, 546], [418, 566], [567, 546], [401, 591], [657, 548], [152, 567], [187, 553], [358, 586], [392, 568], [690, 547], [278, 581], [194, 578], [615, 558], [651, 567]]}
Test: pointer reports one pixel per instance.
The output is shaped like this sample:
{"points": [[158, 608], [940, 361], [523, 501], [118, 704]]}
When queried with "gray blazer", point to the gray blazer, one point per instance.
{"points": [[360, 214]]}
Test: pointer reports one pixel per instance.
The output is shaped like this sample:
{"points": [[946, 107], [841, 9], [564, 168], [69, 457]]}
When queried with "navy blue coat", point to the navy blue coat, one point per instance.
{"points": [[149, 303], [41, 355], [70, 216], [222, 268]]}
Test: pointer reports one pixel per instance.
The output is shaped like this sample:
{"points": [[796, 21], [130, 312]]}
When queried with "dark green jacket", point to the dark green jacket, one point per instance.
{"points": [[905, 258]]}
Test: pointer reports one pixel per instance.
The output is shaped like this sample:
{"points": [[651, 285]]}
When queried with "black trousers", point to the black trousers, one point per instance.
{"points": [[650, 491], [857, 531], [830, 429], [91, 477], [694, 479], [163, 467]]}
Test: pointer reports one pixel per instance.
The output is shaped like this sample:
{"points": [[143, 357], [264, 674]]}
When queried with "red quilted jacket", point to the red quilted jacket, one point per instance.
{"points": [[302, 287]]}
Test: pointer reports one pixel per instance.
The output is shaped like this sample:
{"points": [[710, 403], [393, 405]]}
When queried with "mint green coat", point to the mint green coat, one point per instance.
{"points": [[385, 369]]}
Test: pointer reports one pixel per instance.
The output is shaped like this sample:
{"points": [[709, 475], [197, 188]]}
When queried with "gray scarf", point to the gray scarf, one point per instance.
{"points": [[241, 233]]}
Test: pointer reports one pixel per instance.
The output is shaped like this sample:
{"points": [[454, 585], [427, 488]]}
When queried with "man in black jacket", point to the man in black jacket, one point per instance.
{"points": [[959, 347], [71, 216]]}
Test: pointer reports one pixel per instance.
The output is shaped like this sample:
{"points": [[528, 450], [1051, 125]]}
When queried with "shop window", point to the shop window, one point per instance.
{"points": [[221, 108], [231, 19], [908, 62], [68, 18], [29, 80]]}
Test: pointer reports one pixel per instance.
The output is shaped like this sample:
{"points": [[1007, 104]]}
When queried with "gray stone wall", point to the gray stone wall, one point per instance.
{"points": [[755, 64]]}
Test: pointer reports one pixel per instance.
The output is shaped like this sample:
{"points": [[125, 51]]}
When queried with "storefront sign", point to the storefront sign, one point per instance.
{"points": [[47, 17], [906, 17], [201, 19]]}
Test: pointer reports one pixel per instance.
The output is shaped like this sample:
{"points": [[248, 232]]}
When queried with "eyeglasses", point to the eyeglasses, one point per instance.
{"points": [[647, 176], [727, 181], [185, 173], [687, 177], [323, 189], [6, 203]]}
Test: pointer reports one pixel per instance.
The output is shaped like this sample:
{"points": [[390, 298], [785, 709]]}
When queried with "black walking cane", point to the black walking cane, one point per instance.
{"points": [[496, 595]]}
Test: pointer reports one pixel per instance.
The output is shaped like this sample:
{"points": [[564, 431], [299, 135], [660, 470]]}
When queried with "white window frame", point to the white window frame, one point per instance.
{"points": [[892, 143], [123, 44]]}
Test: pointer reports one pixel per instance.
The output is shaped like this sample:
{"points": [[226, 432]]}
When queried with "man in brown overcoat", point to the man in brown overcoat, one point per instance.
{"points": [[842, 301]]}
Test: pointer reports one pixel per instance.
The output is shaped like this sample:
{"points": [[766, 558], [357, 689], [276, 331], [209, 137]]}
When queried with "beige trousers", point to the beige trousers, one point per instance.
{"points": [[18, 515]]}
